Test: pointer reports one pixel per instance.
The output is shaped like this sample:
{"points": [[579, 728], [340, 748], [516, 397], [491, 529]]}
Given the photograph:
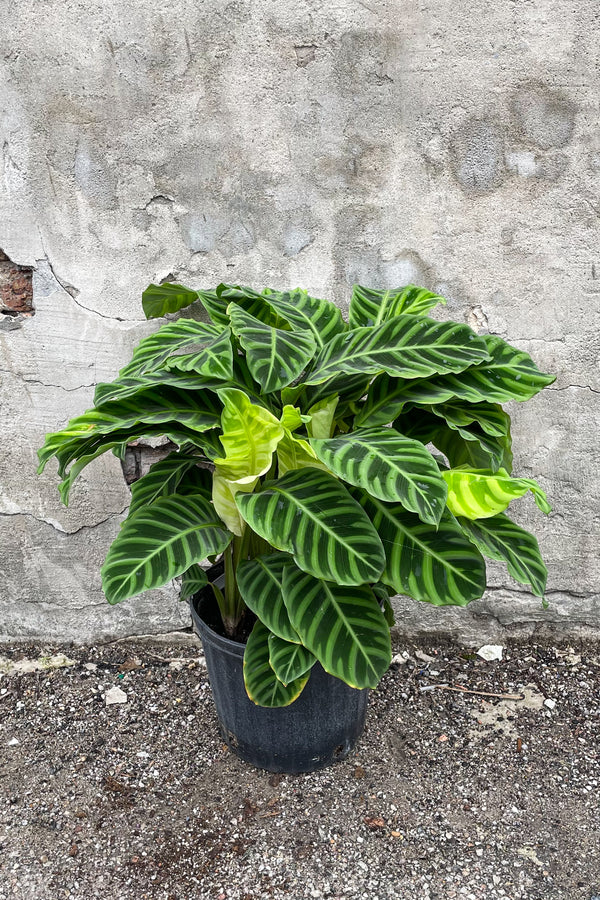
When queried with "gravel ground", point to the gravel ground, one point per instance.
{"points": [[449, 793]]}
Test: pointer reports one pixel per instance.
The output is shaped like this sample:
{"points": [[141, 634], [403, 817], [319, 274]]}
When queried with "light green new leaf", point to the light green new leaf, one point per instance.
{"points": [[160, 542], [342, 626], [388, 466], [250, 435], [437, 565], [292, 418], [311, 515], [214, 360], [499, 538], [481, 493], [223, 497], [262, 685], [274, 356], [372, 307], [260, 582], [163, 479], [309, 314], [192, 581], [295, 453], [407, 346], [322, 417], [160, 299], [289, 661], [153, 350]]}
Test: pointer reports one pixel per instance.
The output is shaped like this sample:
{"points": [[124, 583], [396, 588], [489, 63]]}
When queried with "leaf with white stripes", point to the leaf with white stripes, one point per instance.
{"points": [[499, 538], [481, 493], [260, 582], [311, 515], [342, 626], [262, 685], [406, 346], [388, 466], [160, 299], [159, 542], [438, 565], [163, 478], [154, 349], [369, 306], [274, 356], [289, 661]]}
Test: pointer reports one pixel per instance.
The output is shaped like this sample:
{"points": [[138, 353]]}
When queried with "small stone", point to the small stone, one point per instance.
{"points": [[550, 703], [490, 652], [13, 742], [115, 695]]}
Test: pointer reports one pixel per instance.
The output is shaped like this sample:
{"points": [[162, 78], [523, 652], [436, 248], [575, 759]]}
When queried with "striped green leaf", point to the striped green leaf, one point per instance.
{"points": [[160, 299], [471, 447], [383, 403], [260, 582], [509, 374], [153, 350], [151, 407], [262, 685], [490, 417], [388, 466], [250, 435], [214, 360], [275, 356], [197, 480], [163, 478], [215, 304], [437, 565], [310, 514], [407, 346], [129, 385], [372, 307], [499, 538], [289, 661], [342, 626], [481, 493], [159, 542], [192, 581], [309, 314]]}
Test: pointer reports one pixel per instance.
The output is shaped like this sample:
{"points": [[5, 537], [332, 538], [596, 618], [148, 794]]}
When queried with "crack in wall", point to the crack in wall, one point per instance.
{"points": [[56, 526], [61, 387]]}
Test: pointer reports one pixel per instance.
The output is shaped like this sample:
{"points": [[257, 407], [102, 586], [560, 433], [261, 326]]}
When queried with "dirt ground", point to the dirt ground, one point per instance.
{"points": [[449, 793]]}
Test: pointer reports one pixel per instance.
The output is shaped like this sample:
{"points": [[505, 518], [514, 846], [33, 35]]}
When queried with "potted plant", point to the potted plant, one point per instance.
{"points": [[302, 465]]}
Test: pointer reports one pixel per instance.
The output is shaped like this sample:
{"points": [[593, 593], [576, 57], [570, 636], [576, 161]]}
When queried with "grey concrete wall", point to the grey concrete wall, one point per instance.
{"points": [[456, 145]]}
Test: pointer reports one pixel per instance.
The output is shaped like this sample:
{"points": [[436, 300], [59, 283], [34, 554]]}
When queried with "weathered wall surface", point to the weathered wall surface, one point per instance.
{"points": [[455, 145]]}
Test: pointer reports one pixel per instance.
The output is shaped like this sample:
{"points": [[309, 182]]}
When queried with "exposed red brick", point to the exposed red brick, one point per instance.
{"points": [[16, 288]]}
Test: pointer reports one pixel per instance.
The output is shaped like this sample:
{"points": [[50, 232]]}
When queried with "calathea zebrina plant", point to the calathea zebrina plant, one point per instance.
{"points": [[303, 458]]}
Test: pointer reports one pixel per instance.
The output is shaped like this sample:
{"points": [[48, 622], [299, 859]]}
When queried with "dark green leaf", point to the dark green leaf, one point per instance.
{"points": [[389, 466], [372, 307], [262, 685], [160, 299], [499, 538], [158, 543], [289, 661], [343, 626], [310, 514], [260, 583]]}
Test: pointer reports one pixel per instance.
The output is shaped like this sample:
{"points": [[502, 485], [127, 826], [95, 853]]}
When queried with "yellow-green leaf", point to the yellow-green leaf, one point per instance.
{"points": [[481, 493]]}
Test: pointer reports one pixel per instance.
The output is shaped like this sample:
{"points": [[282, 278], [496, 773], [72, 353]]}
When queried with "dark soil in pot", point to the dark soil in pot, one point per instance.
{"points": [[319, 728]]}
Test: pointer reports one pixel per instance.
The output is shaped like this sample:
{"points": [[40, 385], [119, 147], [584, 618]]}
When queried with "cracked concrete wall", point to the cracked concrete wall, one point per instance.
{"points": [[295, 143]]}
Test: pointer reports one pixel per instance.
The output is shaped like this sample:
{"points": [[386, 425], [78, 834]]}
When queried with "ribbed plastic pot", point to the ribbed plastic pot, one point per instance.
{"points": [[320, 728]]}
